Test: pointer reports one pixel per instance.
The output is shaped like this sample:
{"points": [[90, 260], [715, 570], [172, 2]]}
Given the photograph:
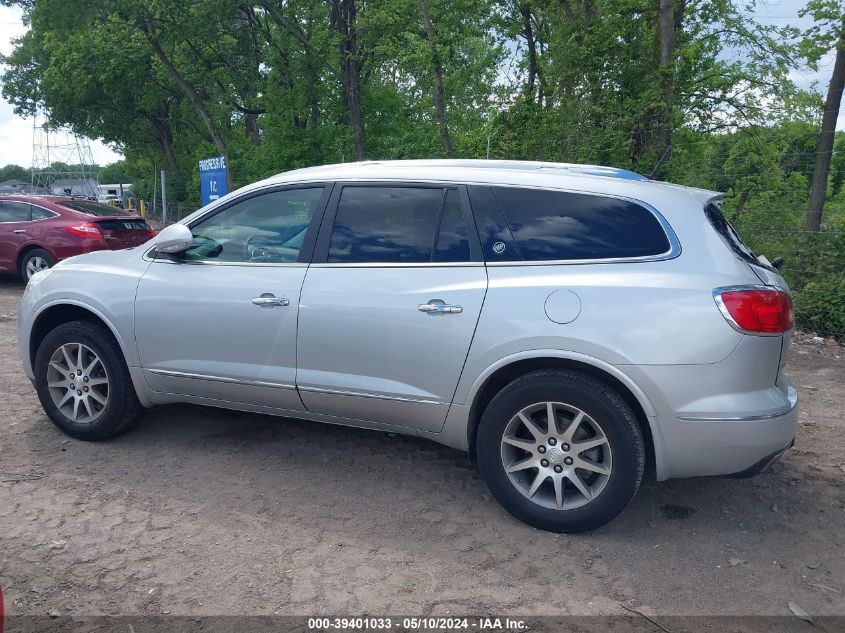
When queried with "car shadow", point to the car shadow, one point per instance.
{"points": [[341, 465]]}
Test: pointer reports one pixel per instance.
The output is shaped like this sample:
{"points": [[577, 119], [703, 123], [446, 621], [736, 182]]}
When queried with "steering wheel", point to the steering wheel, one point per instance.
{"points": [[253, 251]]}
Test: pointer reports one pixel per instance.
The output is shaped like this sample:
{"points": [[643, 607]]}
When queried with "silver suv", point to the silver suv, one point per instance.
{"points": [[566, 324]]}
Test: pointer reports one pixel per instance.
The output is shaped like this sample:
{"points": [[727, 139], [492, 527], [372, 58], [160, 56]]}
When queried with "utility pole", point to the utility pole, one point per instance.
{"points": [[163, 200], [155, 193]]}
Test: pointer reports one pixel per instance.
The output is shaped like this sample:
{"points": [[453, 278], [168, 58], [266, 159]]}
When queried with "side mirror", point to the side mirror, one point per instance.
{"points": [[172, 239]]}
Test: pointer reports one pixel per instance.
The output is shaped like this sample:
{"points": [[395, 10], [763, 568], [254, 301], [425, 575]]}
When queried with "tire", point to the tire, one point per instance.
{"points": [[112, 405], [504, 440], [35, 260]]}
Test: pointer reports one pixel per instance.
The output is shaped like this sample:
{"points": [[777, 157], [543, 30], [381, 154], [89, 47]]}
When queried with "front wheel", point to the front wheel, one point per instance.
{"points": [[83, 382], [561, 450]]}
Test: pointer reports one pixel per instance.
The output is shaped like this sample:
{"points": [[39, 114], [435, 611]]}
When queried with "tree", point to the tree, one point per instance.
{"points": [[667, 21], [344, 17], [14, 172], [439, 104], [831, 12], [114, 173]]}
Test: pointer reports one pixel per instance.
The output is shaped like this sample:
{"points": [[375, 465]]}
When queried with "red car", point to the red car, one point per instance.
{"points": [[38, 231]]}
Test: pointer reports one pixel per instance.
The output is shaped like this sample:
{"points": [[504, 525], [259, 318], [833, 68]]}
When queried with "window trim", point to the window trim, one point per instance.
{"points": [[53, 214], [321, 251], [29, 219], [305, 252], [674, 251]]}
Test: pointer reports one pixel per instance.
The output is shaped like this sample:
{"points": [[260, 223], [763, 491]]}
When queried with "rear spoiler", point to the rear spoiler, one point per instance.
{"points": [[706, 196]]}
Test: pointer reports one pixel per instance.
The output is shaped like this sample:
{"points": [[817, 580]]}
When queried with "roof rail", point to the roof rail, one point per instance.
{"points": [[517, 165]]}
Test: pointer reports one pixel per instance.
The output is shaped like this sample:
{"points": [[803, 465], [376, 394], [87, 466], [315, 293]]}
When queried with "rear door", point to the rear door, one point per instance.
{"points": [[390, 304]]}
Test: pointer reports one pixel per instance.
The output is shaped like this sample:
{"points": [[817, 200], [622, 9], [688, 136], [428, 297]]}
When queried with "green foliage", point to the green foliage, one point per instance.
{"points": [[820, 305], [14, 172], [114, 173]]}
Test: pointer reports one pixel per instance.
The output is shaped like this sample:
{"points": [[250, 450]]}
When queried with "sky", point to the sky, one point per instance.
{"points": [[16, 132]]}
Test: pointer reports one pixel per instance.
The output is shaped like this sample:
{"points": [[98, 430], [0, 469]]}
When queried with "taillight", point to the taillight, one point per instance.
{"points": [[756, 310], [85, 230], [151, 230]]}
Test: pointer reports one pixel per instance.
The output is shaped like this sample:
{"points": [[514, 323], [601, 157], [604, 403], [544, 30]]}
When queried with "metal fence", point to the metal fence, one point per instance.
{"points": [[176, 211]]}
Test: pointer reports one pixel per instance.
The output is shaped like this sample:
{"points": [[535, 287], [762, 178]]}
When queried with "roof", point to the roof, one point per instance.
{"points": [[474, 164], [30, 197], [72, 181], [14, 182], [587, 178]]}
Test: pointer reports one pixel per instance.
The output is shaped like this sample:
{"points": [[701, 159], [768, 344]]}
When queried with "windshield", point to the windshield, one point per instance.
{"points": [[94, 208]]}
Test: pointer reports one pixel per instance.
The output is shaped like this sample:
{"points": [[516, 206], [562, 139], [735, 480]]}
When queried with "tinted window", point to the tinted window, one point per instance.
{"points": [[267, 228], [554, 225], [11, 211], [452, 239], [39, 213], [95, 208], [385, 224], [729, 235]]}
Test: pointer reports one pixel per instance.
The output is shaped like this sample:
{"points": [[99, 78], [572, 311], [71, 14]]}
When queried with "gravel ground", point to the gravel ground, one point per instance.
{"points": [[201, 511]]}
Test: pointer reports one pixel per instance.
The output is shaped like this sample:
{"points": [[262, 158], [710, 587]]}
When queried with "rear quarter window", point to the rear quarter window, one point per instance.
{"points": [[728, 234], [556, 225]]}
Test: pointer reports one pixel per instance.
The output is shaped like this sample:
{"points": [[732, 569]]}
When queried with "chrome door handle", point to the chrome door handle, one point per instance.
{"points": [[19, 231], [270, 301], [436, 306]]}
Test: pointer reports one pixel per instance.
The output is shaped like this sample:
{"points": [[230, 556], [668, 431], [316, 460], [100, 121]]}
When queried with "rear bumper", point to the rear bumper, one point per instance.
{"points": [[733, 446], [763, 464], [726, 446], [727, 418]]}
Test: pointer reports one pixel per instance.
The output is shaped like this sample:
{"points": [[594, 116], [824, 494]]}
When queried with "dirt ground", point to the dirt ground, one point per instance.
{"points": [[200, 511]]}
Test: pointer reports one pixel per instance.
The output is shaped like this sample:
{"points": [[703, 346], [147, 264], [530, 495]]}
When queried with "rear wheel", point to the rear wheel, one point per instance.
{"points": [[34, 261], [83, 382], [561, 450]]}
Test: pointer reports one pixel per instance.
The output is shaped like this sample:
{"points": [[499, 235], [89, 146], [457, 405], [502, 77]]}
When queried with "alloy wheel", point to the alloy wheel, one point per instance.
{"points": [[556, 455], [34, 265], [78, 382]]}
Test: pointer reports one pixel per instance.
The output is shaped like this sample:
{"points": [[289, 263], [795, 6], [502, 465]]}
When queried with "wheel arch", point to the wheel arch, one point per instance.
{"points": [[510, 368], [58, 313]]}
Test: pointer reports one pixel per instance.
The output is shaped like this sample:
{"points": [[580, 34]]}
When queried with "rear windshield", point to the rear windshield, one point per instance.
{"points": [[729, 235], [94, 208]]}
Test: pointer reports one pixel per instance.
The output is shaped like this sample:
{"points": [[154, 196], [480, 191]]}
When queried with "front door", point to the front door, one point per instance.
{"points": [[15, 219], [389, 307], [219, 321]]}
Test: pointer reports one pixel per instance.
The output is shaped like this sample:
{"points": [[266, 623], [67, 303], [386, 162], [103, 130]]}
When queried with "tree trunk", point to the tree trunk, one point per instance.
{"points": [[528, 33], [247, 90], [666, 23], [743, 199], [439, 105], [190, 92], [344, 11], [818, 190], [193, 97], [166, 143]]}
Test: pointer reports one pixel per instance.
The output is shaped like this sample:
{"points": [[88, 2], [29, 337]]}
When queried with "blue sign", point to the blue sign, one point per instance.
{"points": [[213, 180]]}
